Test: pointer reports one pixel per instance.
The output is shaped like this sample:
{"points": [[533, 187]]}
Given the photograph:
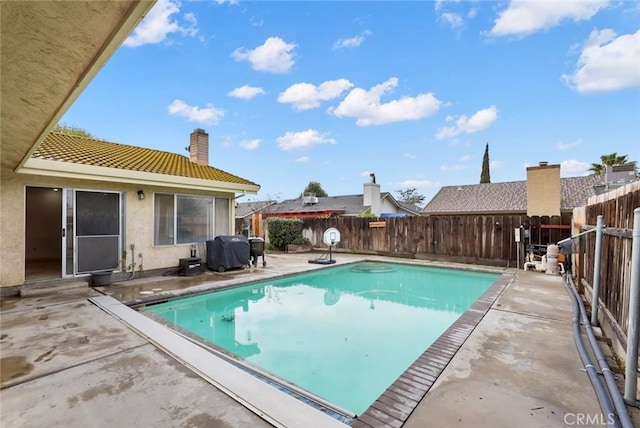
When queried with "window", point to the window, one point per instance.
{"points": [[184, 219], [222, 216]]}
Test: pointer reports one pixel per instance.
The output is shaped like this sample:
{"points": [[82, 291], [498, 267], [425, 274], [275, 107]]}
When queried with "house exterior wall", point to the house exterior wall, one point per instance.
{"points": [[138, 223], [543, 190], [387, 207]]}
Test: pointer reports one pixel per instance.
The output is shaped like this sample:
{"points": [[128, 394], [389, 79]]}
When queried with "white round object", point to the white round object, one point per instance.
{"points": [[331, 236]]}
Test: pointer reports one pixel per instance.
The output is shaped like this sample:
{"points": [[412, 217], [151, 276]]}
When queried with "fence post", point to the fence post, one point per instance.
{"points": [[595, 298], [631, 371]]}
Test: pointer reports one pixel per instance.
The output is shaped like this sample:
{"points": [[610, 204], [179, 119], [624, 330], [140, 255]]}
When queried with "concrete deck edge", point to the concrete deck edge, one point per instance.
{"points": [[271, 404], [395, 405]]}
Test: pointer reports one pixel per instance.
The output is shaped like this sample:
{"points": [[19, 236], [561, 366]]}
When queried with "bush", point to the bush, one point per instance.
{"points": [[284, 231]]}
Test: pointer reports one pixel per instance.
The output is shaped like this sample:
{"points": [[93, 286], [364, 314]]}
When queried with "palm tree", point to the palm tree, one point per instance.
{"points": [[608, 160]]}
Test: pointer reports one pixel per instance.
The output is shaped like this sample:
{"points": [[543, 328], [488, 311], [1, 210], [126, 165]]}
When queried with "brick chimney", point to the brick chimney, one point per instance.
{"points": [[199, 147], [543, 190]]}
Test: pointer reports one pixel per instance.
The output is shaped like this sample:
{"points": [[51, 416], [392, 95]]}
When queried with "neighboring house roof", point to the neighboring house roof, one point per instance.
{"points": [[327, 205], [509, 197], [345, 205], [59, 151], [410, 208], [245, 209]]}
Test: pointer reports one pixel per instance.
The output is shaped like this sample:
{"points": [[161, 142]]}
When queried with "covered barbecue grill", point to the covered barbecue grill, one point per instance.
{"points": [[256, 249], [226, 252]]}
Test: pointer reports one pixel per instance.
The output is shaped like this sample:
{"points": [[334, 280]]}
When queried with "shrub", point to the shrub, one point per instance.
{"points": [[284, 231]]}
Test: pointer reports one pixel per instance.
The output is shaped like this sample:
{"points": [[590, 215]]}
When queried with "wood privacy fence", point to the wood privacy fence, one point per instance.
{"points": [[487, 239], [615, 270]]}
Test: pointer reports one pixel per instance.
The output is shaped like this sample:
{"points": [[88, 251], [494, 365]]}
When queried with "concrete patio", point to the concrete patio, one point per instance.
{"points": [[65, 362]]}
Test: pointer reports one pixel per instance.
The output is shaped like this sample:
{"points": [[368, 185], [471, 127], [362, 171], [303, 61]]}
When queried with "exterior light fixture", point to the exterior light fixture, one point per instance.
{"points": [[141, 194]]}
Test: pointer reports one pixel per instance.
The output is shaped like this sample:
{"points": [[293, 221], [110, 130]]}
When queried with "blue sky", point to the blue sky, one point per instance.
{"points": [[331, 91]]}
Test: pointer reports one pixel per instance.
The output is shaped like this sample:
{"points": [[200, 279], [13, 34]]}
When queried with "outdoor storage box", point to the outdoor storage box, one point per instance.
{"points": [[190, 266]]}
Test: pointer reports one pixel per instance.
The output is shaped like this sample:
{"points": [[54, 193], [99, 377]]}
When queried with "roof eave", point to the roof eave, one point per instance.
{"points": [[510, 212], [115, 175]]}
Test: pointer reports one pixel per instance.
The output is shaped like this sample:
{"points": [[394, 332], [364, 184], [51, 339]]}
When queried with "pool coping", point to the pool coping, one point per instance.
{"points": [[274, 406], [400, 399]]}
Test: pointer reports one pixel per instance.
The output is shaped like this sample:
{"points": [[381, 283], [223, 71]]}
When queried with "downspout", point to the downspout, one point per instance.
{"points": [[631, 371]]}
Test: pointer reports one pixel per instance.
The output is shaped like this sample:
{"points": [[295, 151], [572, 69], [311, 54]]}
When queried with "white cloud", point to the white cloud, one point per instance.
{"points": [[418, 184], [574, 168], [368, 110], [209, 115], [457, 167], [566, 146], [302, 159], [250, 144], [453, 19], [303, 140], [480, 120], [159, 23], [305, 96], [352, 42], [409, 156], [607, 63], [496, 165], [524, 17], [466, 158], [227, 1], [246, 92], [274, 56]]}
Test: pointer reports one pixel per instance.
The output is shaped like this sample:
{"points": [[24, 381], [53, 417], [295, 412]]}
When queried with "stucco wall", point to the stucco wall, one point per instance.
{"points": [[138, 223], [387, 207], [543, 190]]}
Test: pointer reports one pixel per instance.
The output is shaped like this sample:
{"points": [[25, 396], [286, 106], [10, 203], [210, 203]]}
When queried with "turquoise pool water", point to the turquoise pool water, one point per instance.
{"points": [[343, 333]]}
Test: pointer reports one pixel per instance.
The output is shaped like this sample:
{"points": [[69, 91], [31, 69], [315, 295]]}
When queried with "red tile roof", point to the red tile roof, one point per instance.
{"points": [[89, 151]]}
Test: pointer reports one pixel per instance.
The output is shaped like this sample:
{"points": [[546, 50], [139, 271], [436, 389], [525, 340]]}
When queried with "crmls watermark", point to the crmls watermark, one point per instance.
{"points": [[589, 419]]}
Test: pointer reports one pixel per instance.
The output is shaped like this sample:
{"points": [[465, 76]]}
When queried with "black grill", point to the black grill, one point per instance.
{"points": [[256, 249]]}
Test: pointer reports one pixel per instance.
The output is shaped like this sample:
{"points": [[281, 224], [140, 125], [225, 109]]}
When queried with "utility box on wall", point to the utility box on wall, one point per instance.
{"points": [[190, 266]]}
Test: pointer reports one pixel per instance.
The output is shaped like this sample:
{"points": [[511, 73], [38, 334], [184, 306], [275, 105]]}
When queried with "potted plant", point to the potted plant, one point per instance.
{"points": [[101, 277]]}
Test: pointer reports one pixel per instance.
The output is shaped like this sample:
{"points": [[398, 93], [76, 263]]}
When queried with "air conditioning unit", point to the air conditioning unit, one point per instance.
{"points": [[309, 199], [620, 173]]}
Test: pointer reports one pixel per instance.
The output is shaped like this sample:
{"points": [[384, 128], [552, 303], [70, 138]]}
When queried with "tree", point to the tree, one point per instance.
{"points": [[71, 130], [485, 176], [410, 196], [314, 187], [611, 159]]}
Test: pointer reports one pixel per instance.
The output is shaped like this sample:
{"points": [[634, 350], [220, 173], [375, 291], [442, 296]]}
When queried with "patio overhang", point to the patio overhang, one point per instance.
{"points": [[51, 50]]}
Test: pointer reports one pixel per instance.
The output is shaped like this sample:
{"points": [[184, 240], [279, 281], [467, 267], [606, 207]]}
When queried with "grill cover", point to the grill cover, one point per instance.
{"points": [[227, 252]]}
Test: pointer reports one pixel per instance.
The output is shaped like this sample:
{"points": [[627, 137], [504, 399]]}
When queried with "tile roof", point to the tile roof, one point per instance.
{"points": [[507, 197], [245, 209], [88, 151], [349, 205]]}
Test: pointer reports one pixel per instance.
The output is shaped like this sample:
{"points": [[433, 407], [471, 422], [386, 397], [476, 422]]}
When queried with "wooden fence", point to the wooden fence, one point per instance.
{"points": [[615, 270], [486, 239]]}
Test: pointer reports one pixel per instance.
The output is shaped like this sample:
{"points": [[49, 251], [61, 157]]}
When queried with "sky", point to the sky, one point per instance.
{"points": [[331, 91]]}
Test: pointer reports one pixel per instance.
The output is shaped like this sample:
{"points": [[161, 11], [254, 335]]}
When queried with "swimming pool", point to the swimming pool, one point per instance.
{"points": [[342, 333]]}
